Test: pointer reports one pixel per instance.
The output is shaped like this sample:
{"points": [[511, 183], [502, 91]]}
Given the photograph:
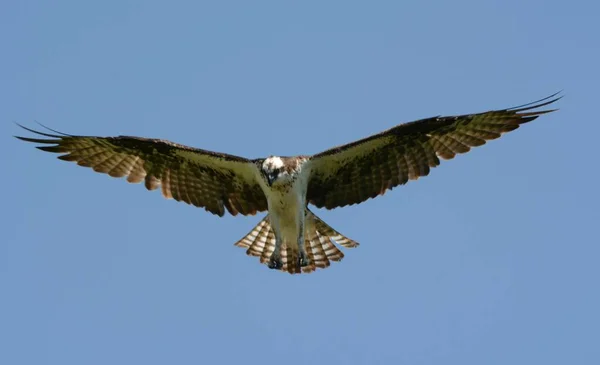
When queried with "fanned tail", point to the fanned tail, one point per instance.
{"points": [[319, 240]]}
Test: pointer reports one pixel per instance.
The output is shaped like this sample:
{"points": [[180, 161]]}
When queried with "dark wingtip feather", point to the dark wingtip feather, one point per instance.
{"points": [[527, 119], [54, 130], [41, 133], [53, 149], [538, 104], [37, 140]]}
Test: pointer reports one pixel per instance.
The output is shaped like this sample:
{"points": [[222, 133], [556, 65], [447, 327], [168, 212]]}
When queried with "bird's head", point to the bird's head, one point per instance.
{"points": [[277, 170]]}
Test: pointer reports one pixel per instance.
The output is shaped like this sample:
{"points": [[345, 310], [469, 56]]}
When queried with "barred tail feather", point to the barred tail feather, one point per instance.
{"points": [[256, 240], [270, 247], [289, 259], [319, 240], [334, 235]]}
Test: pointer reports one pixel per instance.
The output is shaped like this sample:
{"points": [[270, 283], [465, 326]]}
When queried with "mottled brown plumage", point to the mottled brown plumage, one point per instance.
{"points": [[364, 169], [214, 181]]}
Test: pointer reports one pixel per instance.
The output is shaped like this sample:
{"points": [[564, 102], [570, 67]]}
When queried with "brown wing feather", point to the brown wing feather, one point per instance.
{"points": [[214, 181], [364, 169]]}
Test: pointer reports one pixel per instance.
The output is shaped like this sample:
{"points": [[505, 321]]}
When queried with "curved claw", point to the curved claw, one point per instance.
{"points": [[303, 260], [275, 263]]}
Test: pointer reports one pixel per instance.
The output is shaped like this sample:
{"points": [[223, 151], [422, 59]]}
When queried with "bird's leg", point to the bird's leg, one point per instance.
{"points": [[275, 260], [303, 260]]}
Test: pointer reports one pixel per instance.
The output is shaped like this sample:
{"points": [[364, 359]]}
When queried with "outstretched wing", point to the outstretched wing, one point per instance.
{"points": [[211, 180], [364, 169]]}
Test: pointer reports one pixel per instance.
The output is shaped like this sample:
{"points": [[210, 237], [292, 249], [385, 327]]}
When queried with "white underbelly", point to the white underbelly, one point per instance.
{"points": [[286, 212]]}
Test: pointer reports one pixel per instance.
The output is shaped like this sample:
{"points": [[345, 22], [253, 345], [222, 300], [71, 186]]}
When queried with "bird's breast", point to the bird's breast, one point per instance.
{"points": [[286, 209]]}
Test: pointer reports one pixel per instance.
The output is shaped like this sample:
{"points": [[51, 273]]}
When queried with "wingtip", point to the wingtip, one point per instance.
{"points": [[53, 130], [59, 135], [538, 104]]}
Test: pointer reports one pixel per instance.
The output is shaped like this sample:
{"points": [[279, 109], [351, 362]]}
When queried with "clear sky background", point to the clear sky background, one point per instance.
{"points": [[491, 259]]}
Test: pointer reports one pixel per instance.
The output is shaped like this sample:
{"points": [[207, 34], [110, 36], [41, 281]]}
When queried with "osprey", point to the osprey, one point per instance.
{"points": [[290, 237]]}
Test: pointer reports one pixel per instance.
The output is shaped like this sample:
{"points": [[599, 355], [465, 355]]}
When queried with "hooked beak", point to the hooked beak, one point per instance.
{"points": [[271, 178]]}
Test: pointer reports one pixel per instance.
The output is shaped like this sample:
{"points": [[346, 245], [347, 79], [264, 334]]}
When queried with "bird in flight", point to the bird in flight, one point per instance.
{"points": [[290, 237]]}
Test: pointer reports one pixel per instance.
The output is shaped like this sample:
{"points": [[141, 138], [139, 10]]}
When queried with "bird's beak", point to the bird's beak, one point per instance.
{"points": [[271, 178]]}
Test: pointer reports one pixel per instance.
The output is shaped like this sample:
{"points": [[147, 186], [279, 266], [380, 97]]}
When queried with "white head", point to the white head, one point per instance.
{"points": [[278, 170]]}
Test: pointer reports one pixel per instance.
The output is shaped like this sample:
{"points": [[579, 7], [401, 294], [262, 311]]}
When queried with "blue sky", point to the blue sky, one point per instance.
{"points": [[492, 259]]}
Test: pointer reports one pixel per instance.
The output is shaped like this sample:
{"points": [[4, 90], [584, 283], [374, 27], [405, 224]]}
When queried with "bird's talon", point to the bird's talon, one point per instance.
{"points": [[275, 264], [303, 260]]}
